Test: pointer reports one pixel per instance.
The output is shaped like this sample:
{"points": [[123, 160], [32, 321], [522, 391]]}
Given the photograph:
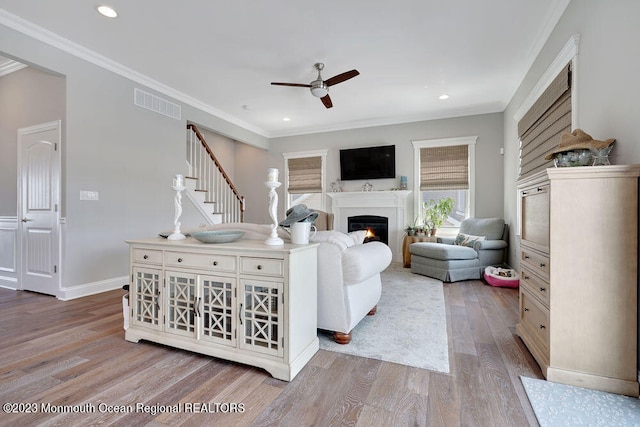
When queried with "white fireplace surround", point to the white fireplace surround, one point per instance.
{"points": [[391, 204]]}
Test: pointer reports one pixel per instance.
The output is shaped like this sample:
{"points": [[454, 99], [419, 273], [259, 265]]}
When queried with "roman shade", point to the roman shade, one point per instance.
{"points": [[541, 128], [305, 175], [444, 168]]}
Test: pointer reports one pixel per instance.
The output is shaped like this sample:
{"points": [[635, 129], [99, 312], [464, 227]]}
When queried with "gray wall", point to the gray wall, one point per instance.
{"points": [[489, 161], [27, 97]]}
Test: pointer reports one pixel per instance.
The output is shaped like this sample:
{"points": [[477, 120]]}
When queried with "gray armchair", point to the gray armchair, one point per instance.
{"points": [[465, 257]]}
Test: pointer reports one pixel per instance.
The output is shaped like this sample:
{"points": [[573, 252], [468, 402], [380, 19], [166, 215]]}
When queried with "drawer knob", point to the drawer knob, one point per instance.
{"points": [[526, 257], [526, 309], [145, 257], [215, 262], [543, 289], [526, 277], [543, 327], [179, 259], [542, 264], [259, 267]]}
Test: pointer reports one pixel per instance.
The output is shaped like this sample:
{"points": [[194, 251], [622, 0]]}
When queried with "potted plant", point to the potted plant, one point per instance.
{"points": [[411, 229], [436, 212]]}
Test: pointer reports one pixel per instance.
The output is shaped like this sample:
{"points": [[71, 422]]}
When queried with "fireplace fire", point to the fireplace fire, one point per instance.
{"points": [[377, 227], [370, 236]]}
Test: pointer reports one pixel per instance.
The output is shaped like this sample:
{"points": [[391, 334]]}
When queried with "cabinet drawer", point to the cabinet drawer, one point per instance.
{"points": [[147, 256], [538, 263], [262, 266], [209, 262], [535, 285], [535, 318]]}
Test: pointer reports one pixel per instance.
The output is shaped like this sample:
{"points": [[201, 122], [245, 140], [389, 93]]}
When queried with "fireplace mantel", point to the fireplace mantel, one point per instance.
{"points": [[392, 204]]}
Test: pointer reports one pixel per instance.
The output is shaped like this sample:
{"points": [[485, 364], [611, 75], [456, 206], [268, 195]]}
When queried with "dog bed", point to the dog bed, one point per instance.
{"points": [[501, 277]]}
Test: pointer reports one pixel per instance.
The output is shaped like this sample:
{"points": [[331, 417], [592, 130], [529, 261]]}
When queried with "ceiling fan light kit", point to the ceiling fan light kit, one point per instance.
{"points": [[320, 88]]}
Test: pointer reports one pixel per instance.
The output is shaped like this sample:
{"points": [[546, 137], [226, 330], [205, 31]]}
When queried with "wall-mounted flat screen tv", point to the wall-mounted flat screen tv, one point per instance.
{"points": [[368, 163]]}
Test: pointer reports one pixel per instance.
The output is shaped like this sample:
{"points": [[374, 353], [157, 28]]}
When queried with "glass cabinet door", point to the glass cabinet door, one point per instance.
{"points": [[145, 298], [218, 310], [261, 315], [181, 302]]}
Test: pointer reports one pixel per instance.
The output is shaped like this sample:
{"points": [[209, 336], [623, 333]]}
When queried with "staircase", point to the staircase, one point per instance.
{"points": [[207, 185]]}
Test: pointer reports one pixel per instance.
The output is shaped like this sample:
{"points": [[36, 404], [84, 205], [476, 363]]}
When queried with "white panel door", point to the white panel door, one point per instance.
{"points": [[39, 199]]}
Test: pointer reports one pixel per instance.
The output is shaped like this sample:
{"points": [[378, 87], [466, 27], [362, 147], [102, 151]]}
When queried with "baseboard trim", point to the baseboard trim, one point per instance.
{"points": [[628, 387], [74, 292]]}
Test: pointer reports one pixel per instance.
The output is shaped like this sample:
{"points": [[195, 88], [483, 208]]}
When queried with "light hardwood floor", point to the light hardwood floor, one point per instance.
{"points": [[74, 353]]}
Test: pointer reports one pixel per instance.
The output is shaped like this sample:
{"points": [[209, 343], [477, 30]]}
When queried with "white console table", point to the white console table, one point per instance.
{"points": [[241, 301]]}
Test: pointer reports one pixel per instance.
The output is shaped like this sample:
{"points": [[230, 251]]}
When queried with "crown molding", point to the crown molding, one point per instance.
{"points": [[11, 66], [41, 34], [568, 53]]}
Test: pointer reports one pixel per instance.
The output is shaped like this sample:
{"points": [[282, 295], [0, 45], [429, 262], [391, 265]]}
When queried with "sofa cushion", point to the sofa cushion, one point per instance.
{"points": [[442, 251], [491, 228]]}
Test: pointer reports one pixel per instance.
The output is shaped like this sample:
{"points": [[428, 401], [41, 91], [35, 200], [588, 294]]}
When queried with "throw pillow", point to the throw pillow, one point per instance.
{"points": [[467, 239], [358, 236]]}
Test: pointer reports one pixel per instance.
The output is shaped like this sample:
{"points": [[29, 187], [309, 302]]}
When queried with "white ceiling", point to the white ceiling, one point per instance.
{"points": [[222, 55]]}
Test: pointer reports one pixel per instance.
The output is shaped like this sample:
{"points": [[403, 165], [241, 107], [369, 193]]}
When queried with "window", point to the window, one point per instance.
{"points": [[445, 168], [304, 178], [541, 128]]}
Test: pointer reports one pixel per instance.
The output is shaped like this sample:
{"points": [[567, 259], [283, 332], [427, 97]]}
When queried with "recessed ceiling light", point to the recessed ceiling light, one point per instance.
{"points": [[286, 119], [444, 96], [107, 11]]}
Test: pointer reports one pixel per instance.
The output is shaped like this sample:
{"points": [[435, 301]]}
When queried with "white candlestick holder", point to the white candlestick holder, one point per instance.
{"points": [[273, 213], [177, 235]]}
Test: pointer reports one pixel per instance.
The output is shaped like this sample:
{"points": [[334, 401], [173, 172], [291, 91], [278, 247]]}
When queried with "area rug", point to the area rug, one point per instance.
{"points": [[409, 328], [563, 405]]}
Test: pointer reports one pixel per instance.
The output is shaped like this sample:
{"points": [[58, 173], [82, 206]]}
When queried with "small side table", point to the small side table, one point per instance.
{"points": [[406, 254]]}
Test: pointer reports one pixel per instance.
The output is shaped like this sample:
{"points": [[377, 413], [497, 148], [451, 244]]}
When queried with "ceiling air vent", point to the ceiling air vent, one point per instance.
{"points": [[155, 103]]}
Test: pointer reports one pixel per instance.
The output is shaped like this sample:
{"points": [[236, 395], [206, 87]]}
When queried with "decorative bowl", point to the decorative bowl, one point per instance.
{"points": [[218, 236], [582, 157]]}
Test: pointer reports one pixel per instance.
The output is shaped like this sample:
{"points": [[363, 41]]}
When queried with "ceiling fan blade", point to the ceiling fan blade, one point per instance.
{"points": [[341, 77], [291, 84], [326, 101]]}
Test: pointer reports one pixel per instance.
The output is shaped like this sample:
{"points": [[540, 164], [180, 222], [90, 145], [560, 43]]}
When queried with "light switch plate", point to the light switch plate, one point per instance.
{"points": [[89, 195]]}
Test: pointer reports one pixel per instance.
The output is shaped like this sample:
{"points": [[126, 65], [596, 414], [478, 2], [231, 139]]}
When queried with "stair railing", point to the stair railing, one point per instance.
{"points": [[211, 178]]}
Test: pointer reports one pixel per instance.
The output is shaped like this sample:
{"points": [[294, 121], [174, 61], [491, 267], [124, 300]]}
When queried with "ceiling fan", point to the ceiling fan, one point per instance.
{"points": [[320, 88]]}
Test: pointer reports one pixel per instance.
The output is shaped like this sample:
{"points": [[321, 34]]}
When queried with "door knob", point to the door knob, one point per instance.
{"points": [[26, 219]]}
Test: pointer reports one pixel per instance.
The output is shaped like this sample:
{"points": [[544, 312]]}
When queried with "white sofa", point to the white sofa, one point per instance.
{"points": [[349, 284]]}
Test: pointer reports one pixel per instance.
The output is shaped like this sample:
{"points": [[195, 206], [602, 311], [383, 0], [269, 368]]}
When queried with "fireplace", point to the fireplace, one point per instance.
{"points": [[377, 225], [391, 204]]}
